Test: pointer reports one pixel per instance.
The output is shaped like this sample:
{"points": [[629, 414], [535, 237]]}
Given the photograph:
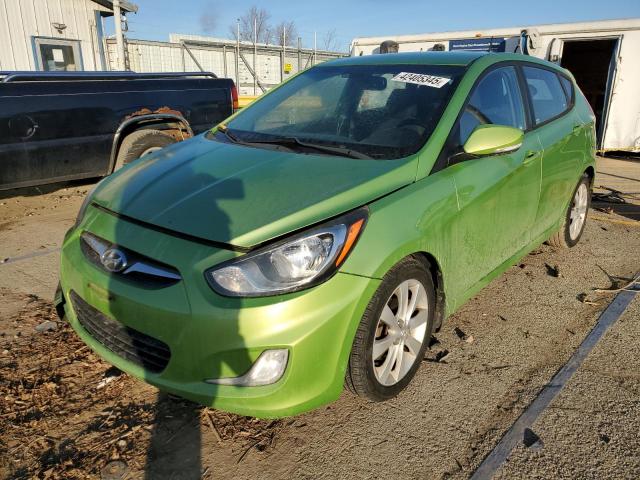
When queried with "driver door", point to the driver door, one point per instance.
{"points": [[497, 194]]}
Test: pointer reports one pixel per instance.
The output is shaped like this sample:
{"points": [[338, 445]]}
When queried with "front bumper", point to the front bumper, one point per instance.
{"points": [[210, 336]]}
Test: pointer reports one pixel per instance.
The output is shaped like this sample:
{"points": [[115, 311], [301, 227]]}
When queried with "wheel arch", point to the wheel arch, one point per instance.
{"points": [[175, 125], [433, 267], [591, 172]]}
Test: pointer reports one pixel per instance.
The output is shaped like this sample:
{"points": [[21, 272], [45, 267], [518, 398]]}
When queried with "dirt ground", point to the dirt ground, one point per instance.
{"points": [[64, 413]]}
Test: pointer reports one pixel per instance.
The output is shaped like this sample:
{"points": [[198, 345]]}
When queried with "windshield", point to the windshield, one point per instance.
{"points": [[369, 111]]}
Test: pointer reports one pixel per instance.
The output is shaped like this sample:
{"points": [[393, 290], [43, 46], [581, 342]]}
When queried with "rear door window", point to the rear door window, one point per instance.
{"points": [[548, 97]]}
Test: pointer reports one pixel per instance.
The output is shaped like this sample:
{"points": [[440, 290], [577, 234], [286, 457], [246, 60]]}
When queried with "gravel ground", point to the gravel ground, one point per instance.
{"points": [[591, 429], [66, 414]]}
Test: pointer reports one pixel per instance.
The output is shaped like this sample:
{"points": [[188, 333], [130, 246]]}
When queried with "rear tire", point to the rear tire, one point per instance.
{"points": [[140, 143], [575, 217], [397, 337]]}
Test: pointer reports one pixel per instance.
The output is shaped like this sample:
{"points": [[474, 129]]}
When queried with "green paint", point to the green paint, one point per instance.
{"points": [[475, 217], [493, 140]]}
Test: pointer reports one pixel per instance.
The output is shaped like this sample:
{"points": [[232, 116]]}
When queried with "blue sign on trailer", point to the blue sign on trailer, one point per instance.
{"points": [[493, 44]]}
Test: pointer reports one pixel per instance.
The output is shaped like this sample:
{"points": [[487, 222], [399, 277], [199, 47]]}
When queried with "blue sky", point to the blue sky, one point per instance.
{"points": [[357, 18]]}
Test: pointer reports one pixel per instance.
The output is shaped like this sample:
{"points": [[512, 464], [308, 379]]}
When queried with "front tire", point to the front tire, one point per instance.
{"points": [[575, 218], [394, 333]]}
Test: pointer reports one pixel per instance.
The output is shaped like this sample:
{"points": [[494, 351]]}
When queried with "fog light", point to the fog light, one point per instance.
{"points": [[267, 369]]}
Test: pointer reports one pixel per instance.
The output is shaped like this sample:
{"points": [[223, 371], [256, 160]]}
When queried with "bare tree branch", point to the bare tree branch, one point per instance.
{"points": [[286, 31], [254, 16], [329, 40]]}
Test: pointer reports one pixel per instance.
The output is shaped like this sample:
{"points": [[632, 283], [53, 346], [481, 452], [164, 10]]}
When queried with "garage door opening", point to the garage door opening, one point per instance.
{"points": [[592, 63]]}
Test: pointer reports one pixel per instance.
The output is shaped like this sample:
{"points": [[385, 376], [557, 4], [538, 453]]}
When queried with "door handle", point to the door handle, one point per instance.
{"points": [[530, 156], [577, 128]]}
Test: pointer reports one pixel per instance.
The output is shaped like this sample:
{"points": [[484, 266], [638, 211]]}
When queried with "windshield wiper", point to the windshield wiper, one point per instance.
{"points": [[225, 130], [289, 141], [234, 138], [344, 152]]}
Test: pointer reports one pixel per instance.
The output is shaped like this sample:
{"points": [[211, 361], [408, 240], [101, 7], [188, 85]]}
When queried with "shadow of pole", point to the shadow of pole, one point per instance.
{"points": [[174, 450], [175, 447]]}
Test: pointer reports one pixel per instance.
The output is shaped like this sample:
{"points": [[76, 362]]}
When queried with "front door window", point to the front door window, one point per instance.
{"points": [[496, 100]]}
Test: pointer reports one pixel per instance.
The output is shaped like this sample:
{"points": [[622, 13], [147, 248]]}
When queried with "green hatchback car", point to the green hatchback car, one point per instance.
{"points": [[320, 236]]}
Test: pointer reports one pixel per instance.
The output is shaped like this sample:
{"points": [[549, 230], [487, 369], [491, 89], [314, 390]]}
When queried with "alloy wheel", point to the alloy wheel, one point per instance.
{"points": [[578, 213], [400, 332]]}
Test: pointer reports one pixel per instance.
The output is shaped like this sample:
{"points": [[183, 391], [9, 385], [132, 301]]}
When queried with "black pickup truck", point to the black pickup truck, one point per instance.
{"points": [[57, 126]]}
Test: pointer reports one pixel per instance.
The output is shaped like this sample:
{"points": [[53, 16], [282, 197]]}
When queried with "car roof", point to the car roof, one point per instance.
{"points": [[458, 58], [462, 58]]}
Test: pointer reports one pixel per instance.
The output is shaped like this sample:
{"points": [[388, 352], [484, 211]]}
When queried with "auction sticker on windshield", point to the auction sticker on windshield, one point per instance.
{"points": [[421, 79]]}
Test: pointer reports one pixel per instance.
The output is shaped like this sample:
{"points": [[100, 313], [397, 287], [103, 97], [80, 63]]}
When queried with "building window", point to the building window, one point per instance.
{"points": [[53, 54]]}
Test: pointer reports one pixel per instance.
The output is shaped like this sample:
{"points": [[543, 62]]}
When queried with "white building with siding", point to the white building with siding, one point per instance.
{"points": [[68, 35], [54, 34]]}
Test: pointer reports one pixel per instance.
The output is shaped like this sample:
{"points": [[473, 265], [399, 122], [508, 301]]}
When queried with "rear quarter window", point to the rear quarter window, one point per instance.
{"points": [[567, 86], [548, 97]]}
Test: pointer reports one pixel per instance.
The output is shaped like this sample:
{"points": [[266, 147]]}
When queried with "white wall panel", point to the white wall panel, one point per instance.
{"points": [[152, 56], [21, 20], [17, 35]]}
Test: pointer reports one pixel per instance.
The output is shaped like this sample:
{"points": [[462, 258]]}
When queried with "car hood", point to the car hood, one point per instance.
{"points": [[243, 196]]}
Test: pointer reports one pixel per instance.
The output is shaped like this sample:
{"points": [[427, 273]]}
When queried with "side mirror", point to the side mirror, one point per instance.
{"points": [[493, 140], [374, 82]]}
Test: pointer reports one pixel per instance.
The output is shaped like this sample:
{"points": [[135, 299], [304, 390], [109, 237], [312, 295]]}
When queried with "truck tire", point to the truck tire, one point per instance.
{"points": [[140, 143]]}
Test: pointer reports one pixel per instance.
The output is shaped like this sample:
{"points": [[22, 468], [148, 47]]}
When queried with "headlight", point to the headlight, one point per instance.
{"points": [[85, 204], [297, 262], [83, 209]]}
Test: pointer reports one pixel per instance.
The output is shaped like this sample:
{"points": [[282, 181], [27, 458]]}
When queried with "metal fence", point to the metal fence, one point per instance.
{"points": [[254, 68]]}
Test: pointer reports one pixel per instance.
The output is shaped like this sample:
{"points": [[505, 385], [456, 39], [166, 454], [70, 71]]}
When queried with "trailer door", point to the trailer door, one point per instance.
{"points": [[611, 78], [592, 61]]}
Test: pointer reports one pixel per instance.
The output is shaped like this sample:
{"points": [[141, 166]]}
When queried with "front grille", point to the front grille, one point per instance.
{"points": [[130, 344], [141, 271]]}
